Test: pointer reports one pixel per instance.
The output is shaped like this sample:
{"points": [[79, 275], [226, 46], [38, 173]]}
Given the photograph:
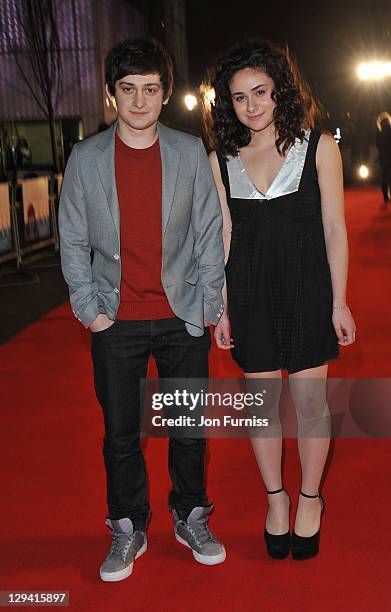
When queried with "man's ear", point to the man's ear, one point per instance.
{"points": [[110, 97], [166, 100]]}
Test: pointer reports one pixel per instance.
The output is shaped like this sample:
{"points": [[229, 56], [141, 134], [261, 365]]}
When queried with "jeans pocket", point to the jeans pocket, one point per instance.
{"points": [[101, 332]]}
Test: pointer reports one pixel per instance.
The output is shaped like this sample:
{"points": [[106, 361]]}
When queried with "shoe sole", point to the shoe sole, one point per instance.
{"points": [[278, 555], [204, 559], [124, 573]]}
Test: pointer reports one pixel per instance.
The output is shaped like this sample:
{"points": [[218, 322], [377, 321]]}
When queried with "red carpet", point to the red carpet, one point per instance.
{"points": [[52, 480]]}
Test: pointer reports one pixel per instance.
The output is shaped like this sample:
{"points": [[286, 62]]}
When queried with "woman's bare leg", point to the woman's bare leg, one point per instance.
{"points": [[268, 451], [308, 391]]}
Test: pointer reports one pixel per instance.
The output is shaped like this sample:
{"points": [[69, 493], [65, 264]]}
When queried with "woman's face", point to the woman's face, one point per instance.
{"points": [[251, 91]]}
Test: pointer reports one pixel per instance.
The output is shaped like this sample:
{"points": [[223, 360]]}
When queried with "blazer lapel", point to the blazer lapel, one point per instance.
{"points": [[106, 170], [170, 166]]}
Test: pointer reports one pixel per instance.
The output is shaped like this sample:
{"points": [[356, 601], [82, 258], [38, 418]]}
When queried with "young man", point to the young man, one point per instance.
{"points": [[149, 189]]}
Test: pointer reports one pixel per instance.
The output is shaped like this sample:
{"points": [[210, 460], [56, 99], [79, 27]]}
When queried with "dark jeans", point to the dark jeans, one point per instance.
{"points": [[120, 356]]}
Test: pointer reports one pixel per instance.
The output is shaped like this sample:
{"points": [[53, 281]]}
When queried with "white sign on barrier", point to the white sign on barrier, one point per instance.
{"points": [[5, 219], [36, 213]]}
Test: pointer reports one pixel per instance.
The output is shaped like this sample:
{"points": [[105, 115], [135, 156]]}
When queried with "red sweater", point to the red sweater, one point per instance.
{"points": [[138, 174]]}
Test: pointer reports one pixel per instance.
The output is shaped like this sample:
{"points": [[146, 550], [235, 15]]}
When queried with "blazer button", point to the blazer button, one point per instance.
{"points": [[116, 290], [116, 256]]}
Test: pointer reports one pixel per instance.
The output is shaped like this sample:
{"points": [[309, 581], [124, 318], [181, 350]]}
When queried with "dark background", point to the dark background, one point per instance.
{"points": [[328, 39]]}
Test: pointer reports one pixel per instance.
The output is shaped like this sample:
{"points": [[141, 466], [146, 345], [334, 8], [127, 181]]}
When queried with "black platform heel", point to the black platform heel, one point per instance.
{"points": [[277, 545], [303, 548]]}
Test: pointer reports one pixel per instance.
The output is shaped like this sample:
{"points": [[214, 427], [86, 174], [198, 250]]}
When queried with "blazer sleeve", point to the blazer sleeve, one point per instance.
{"points": [[207, 226], [75, 246]]}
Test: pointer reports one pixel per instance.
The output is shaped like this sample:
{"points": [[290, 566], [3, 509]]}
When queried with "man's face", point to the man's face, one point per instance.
{"points": [[139, 100]]}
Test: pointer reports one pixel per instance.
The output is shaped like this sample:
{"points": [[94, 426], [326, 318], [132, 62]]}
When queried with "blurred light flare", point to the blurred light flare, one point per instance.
{"points": [[337, 135], [190, 101], [207, 95], [374, 71], [210, 94], [363, 171]]}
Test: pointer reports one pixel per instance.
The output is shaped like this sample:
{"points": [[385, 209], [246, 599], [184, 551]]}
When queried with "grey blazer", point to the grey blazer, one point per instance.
{"points": [[192, 245]]}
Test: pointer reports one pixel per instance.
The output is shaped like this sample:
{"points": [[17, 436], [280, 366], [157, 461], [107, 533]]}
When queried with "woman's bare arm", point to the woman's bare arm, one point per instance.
{"points": [[330, 178]]}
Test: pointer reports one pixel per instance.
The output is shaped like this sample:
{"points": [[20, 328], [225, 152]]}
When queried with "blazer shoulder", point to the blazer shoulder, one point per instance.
{"points": [[181, 138], [99, 141], [89, 143]]}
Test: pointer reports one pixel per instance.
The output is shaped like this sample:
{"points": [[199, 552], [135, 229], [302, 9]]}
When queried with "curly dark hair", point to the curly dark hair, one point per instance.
{"points": [[295, 108]]}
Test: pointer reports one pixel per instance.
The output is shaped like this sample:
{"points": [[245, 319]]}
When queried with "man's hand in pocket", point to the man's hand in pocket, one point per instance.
{"points": [[101, 323]]}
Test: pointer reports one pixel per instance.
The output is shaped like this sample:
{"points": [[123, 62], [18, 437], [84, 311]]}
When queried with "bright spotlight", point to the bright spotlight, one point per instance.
{"points": [[363, 172], [190, 101], [374, 71], [363, 72]]}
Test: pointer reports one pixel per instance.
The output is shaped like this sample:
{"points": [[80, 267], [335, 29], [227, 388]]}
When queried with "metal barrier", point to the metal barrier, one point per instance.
{"points": [[28, 217]]}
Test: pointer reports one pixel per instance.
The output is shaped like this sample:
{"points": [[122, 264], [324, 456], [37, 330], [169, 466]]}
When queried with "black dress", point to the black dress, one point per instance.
{"points": [[278, 277]]}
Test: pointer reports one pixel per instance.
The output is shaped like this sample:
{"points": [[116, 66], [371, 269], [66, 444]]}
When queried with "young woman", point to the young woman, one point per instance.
{"points": [[281, 191]]}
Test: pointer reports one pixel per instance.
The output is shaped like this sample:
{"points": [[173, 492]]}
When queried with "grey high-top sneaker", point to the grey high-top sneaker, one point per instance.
{"points": [[127, 545], [195, 533]]}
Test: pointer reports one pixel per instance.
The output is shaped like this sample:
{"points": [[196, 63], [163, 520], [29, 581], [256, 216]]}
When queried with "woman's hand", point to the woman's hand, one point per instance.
{"points": [[222, 333], [344, 326]]}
